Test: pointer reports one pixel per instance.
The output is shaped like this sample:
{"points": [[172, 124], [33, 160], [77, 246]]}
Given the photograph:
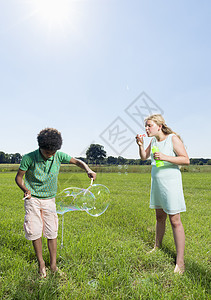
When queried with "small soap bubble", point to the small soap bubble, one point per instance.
{"points": [[93, 283], [126, 168], [122, 169], [119, 169]]}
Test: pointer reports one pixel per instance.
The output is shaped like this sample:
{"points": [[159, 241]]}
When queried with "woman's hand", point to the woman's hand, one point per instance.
{"points": [[159, 156], [139, 140]]}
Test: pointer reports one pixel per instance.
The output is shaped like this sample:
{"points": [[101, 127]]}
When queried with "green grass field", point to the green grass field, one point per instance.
{"points": [[107, 257]]}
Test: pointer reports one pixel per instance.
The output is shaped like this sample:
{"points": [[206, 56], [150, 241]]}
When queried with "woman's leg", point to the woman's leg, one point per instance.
{"points": [[160, 227], [179, 239]]}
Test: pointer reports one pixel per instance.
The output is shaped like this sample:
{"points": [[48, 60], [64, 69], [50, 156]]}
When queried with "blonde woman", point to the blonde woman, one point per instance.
{"points": [[166, 185]]}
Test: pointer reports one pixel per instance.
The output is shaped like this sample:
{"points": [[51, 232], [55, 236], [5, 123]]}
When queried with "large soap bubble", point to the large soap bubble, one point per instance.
{"points": [[65, 199], [84, 200], [74, 198], [96, 199]]}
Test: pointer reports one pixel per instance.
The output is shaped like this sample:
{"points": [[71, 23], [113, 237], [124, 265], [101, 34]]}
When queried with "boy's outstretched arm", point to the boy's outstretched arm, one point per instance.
{"points": [[83, 166], [20, 182]]}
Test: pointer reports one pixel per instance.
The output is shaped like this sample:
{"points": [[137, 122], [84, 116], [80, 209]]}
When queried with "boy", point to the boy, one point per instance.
{"points": [[41, 169]]}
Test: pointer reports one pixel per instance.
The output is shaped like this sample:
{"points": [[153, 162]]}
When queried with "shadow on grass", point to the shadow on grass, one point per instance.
{"points": [[169, 252], [197, 273]]}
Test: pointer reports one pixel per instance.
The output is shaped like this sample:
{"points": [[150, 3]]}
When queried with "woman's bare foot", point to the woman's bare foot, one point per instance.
{"points": [[54, 268], [179, 270]]}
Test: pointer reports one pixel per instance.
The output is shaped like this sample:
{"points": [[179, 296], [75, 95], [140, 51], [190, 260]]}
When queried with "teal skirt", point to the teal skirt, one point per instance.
{"points": [[167, 190]]}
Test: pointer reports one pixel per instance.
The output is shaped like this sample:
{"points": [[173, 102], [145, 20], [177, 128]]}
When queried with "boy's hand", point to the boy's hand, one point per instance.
{"points": [[92, 174], [27, 195]]}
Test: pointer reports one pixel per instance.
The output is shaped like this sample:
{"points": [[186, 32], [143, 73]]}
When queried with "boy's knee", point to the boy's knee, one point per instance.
{"points": [[161, 217], [50, 228]]}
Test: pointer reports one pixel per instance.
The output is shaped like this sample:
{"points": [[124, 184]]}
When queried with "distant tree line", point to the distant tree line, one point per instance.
{"points": [[6, 158], [110, 160], [200, 161], [96, 154]]}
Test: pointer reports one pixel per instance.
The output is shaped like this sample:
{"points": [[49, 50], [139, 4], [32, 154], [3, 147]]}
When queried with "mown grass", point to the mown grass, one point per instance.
{"points": [[120, 169], [111, 249]]}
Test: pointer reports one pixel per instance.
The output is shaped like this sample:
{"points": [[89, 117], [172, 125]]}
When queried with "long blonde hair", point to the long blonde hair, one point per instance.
{"points": [[159, 120]]}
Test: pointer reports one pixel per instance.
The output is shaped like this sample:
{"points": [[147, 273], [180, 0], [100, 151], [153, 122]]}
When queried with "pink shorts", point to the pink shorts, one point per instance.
{"points": [[41, 217]]}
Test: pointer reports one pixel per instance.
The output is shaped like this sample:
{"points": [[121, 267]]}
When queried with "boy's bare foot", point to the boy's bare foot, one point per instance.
{"points": [[42, 272], [154, 249], [57, 271]]}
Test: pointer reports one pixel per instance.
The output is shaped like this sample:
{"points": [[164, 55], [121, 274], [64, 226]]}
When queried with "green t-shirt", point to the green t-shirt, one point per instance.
{"points": [[41, 174]]}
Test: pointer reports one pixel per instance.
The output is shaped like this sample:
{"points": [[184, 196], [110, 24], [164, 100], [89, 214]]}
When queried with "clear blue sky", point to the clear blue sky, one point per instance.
{"points": [[81, 66]]}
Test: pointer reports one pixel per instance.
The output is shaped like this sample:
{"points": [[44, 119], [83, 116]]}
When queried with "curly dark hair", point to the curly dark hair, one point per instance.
{"points": [[49, 139]]}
